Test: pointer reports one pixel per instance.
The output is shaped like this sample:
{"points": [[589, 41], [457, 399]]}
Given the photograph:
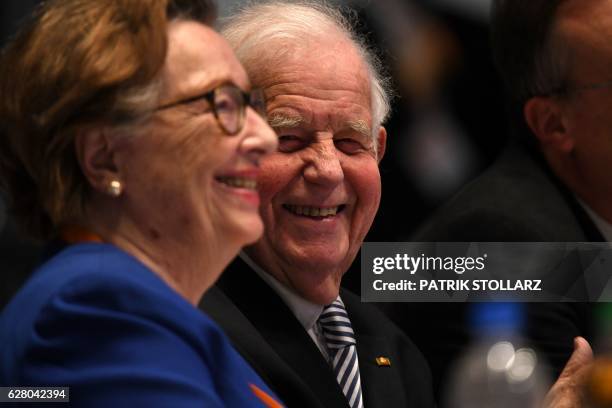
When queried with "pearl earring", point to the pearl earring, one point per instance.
{"points": [[115, 188]]}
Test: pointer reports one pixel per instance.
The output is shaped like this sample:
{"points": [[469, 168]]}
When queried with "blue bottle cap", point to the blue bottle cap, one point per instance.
{"points": [[496, 317]]}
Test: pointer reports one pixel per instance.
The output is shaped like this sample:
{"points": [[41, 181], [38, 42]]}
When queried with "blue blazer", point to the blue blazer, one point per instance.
{"points": [[97, 320]]}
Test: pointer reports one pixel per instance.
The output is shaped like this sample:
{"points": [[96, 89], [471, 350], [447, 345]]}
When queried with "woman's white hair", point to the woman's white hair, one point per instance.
{"points": [[252, 30]]}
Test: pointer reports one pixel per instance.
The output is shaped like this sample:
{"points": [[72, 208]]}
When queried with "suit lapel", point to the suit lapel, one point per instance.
{"points": [[282, 332], [380, 386]]}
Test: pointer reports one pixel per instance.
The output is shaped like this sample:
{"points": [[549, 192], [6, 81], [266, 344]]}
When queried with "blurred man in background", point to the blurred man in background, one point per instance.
{"points": [[552, 184]]}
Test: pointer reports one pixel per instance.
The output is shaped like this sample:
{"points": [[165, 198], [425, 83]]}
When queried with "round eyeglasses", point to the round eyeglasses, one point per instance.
{"points": [[228, 104]]}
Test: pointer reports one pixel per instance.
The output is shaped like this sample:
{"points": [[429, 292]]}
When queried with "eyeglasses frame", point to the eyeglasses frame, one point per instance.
{"points": [[209, 96]]}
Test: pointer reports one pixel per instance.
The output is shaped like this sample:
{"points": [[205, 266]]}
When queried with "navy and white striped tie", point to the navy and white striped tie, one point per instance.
{"points": [[341, 344]]}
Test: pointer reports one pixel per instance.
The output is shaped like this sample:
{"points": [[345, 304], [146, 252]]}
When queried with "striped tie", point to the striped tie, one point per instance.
{"points": [[341, 342]]}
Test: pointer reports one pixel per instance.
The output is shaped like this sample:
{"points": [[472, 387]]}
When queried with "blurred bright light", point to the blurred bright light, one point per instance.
{"points": [[524, 365], [501, 356]]}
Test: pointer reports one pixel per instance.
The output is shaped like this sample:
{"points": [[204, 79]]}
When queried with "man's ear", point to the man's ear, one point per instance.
{"points": [[546, 119], [97, 158], [381, 140]]}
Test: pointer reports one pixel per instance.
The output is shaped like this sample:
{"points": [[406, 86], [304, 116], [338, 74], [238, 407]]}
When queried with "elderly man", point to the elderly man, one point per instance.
{"points": [[281, 303], [553, 183]]}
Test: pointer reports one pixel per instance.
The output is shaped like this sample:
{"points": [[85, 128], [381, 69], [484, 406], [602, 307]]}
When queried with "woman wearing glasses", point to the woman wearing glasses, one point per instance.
{"points": [[129, 132]]}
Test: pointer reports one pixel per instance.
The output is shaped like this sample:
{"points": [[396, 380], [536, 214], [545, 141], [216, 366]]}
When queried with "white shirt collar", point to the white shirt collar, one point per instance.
{"points": [[305, 311], [602, 225]]}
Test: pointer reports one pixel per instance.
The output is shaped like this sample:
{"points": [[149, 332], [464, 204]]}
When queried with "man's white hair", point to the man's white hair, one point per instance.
{"points": [[254, 29]]}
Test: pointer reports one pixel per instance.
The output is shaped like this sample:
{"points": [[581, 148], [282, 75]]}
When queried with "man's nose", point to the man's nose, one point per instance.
{"points": [[323, 165]]}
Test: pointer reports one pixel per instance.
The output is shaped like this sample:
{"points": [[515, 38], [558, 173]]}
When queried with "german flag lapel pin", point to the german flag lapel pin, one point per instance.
{"points": [[383, 361]]}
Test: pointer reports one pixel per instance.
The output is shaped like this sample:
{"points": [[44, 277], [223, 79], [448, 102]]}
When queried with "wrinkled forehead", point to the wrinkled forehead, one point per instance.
{"points": [[312, 65]]}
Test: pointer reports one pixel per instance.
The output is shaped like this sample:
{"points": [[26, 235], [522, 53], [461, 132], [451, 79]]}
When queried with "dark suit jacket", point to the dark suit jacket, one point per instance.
{"points": [[517, 199], [267, 334]]}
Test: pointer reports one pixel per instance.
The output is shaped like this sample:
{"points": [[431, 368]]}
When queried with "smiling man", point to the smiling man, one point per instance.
{"points": [[281, 303], [320, 192]]}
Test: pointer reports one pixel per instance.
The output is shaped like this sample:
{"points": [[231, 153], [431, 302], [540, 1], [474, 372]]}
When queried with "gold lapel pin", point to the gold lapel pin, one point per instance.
{"points": [[383, 362]]}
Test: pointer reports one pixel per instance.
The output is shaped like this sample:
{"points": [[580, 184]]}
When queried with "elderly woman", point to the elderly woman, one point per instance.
{"points": [[129, 132]]}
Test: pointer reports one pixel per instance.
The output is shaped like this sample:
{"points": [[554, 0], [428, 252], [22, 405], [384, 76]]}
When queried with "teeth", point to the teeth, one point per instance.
{"points": [[312, 211], [239, 182]]}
